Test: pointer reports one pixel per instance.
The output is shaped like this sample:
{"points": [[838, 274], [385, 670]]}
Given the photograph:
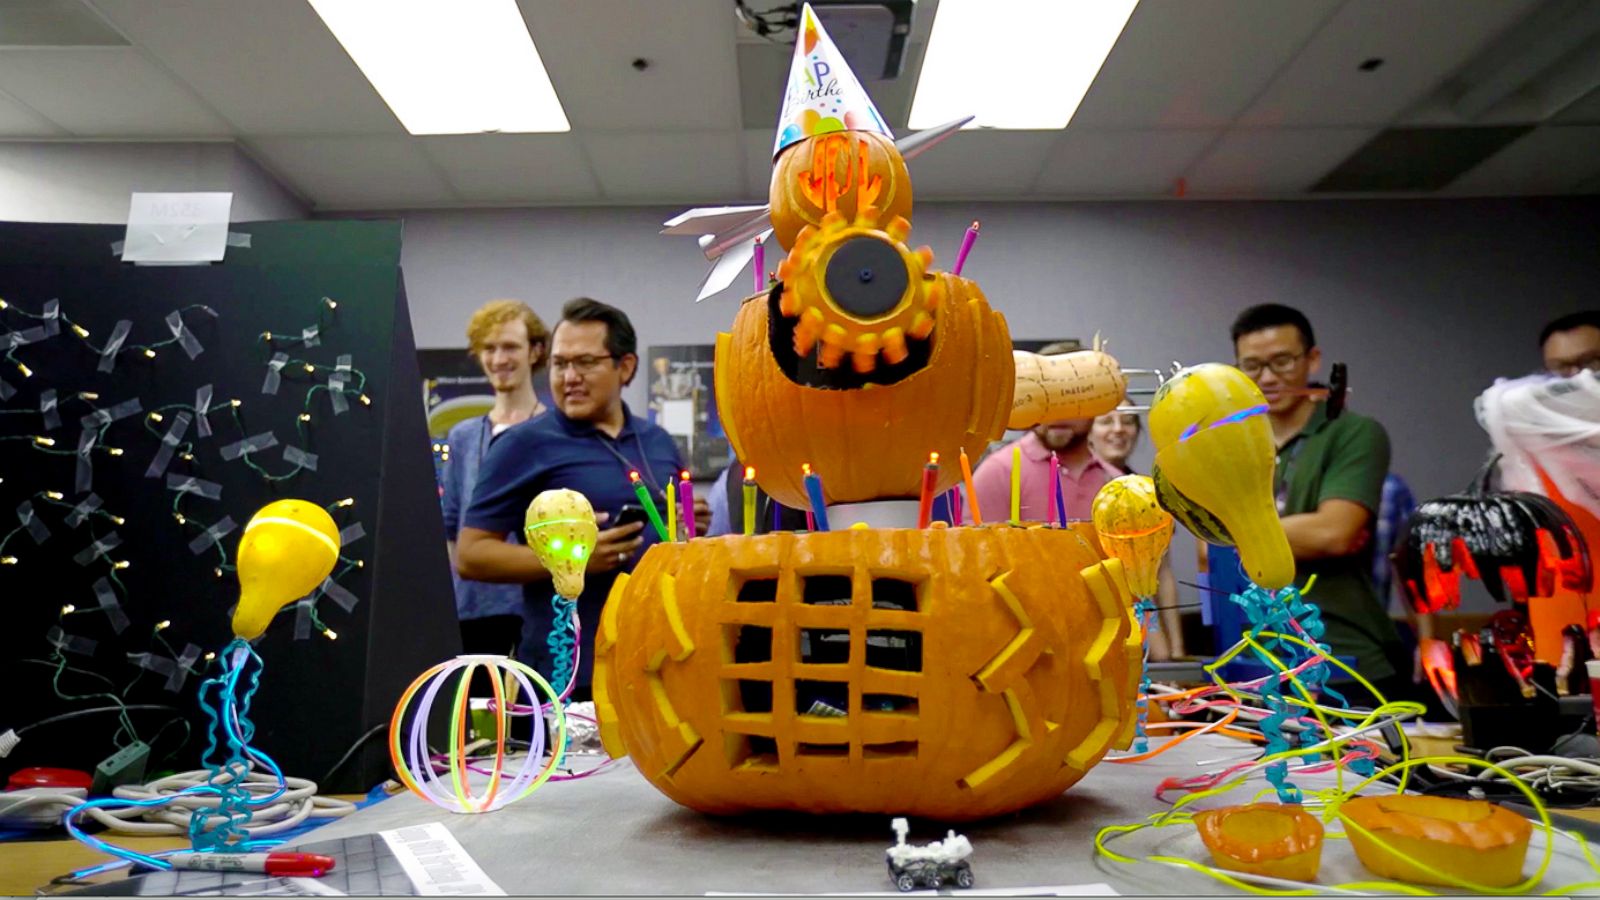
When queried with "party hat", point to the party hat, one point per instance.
{"points": [[823, 94]]}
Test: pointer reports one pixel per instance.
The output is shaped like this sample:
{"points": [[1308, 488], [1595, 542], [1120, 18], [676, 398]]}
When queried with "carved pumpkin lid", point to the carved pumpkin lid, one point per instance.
{"points": [[823, 94]]}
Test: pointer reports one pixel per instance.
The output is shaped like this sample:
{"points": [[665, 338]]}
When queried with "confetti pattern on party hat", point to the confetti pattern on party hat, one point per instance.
{"points": [[823, 94]]}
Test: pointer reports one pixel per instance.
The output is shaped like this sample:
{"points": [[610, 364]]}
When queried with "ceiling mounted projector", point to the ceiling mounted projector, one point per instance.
{"points": [[871, 34]]}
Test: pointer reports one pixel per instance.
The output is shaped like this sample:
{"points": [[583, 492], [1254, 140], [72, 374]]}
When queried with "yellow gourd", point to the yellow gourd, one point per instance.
{"points": [[1214, 466], [288, 548], [560, 528], [1133, 528]]}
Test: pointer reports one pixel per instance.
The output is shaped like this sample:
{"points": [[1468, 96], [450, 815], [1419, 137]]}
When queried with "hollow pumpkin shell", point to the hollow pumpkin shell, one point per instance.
{"points": [[1280, 840], [1472, 839], [1027, 669], [844, 172], [871, 442]]}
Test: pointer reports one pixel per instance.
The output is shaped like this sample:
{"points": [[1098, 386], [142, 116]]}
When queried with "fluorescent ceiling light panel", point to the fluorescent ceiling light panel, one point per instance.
{"points": [[1018, 64], [449, 66]]}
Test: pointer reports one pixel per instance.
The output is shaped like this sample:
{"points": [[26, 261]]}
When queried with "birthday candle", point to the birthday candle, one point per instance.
{"points": [[819, 508], [953, 500], [649, 504], [672, 512], [967, 240], [1050, 490], [686, 495], [761, 266], [750, 497], [777, 514], [1016, 485], [972, 496], [1061, 504], [930, 475]]}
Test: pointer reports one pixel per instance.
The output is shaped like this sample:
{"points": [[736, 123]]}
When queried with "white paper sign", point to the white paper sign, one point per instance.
{"points": [[177, 228], [436, 862]]}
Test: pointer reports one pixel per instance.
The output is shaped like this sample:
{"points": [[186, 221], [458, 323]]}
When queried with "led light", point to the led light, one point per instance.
{"points": [[3, 304], [118, 520], [235, 403], [79, 330], [68, 609], [305, 417], [360, 564], [330, 634], [449, 68], [164, 624], [43, 441], [114, 451], [365, 400], [8, 560], [217, 571], [149, 354], [187, 457], [121, 564], [210, 656], [329, 301], [26, 372], [155, 417], [1017, 64], [348, 501], [88, 395], [55, 495], [310, 368], [180, 518], [266, 335]]}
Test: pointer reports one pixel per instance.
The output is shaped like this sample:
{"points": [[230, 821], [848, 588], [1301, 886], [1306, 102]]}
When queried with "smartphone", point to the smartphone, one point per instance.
{"points": [[631, 512]]}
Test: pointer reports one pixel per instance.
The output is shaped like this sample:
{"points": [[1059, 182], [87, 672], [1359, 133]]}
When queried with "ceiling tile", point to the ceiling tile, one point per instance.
{"points": [[1196, 63], [692, 79], [1120, 163], [1421, 45], [18, 121], [105, 92], [981, 163], [355, 172], [508, 168], [267, 66], [1272, 161], [678, 168], [1550, 160]]}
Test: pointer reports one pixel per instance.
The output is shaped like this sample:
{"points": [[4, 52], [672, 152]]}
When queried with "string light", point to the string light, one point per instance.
{"points": [[121, 564], [305, 417], [8, 560], [180, 518], [43, 441], [118, 520], [114, 451], [149, 354], [365, 400], [346, 502], [155, 417], [80, 331], [330, 634], [310, 369], [88, 396], [23, 368], [210, 656], [236, 403], [330, 302], [55, 495], [68, 610], [164, 624]]}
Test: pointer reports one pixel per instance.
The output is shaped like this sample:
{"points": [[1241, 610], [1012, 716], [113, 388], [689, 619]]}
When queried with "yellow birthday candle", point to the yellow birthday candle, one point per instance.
{"points": [[1214, 466], [288, 548], [560, 529], [1134, 528]]}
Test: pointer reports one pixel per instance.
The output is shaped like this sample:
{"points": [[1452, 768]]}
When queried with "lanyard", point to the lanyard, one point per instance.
{"points": [[647, 474]]}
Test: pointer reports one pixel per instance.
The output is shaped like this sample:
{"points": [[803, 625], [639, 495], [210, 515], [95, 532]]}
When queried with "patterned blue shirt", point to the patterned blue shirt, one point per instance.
{"points": [[1394, 509], [469, 441]]}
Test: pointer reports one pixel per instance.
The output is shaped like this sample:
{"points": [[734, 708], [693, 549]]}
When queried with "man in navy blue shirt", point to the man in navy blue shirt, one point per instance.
{"points": [[588, 443]]}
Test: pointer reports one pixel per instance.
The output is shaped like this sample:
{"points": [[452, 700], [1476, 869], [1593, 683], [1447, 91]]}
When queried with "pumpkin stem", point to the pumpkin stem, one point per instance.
{"points": [[1480, 481]]}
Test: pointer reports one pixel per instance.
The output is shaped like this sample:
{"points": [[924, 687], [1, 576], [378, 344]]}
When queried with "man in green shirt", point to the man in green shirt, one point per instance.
{"points": [[1329, 484]]}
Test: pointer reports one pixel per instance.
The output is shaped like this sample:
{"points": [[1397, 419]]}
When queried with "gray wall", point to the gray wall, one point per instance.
{"points": [[1427, 301]]}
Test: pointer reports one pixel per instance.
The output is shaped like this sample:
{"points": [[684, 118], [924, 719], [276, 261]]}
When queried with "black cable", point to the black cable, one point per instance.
{"points": [[79, 713], [360, 742]]}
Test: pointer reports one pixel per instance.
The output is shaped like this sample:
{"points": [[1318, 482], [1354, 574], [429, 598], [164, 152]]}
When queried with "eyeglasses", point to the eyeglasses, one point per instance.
{"points": [[1569, 368], [582, 364], [1282, 364]]}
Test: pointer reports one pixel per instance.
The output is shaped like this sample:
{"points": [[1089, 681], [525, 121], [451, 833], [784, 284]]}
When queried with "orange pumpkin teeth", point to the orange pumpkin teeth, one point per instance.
{"points": [[927, 257], [921, 326], [934, 295], [894, 346], [899, 229], [789, 300]]}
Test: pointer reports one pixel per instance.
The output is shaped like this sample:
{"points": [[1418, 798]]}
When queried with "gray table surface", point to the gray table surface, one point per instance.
{"points": [[615, 834]]}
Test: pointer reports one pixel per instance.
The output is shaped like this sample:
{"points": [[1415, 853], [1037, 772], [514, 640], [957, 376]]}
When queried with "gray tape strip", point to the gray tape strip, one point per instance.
{"points": [[109, 604], [274, 373], [186, 338], [294, 456], [202, 407], [129, 407], [302, 620], [150, 662], [169, 445], [310, 336], [36, 528], [341, 403], [185, 660], [51, 314], [83, 510], [351, 533], [212, 535], [98, 549], [119, 333], [11, 340], [336, 592], [47, 409], [343, 363], [83, 467], [70, 642], [253, 444], [188, 484]]}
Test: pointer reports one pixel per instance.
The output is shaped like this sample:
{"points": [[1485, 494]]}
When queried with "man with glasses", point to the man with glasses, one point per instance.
{"points": [[1571, 344], [1329, 484], [589, 443]]}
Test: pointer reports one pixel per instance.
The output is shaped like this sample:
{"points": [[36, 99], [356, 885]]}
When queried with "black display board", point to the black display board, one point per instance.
{"points": [[393, 614]]}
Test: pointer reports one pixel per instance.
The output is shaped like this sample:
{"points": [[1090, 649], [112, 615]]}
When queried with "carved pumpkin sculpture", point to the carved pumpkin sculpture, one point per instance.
{"points": [[946, 672], [1519, 544]]}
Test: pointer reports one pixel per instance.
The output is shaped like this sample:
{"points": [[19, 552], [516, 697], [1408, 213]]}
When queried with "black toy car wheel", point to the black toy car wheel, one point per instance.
{"points": [[904, 881], [964, 877]]}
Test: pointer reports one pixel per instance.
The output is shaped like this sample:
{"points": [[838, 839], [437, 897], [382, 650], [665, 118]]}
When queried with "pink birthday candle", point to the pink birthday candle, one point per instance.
{"points": [[761, 266], [967, 240], [1055, 479], [686, 500]]}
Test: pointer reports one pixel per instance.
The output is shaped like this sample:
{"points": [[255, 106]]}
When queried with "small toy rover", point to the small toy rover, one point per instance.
{"points": [[930, 865]]}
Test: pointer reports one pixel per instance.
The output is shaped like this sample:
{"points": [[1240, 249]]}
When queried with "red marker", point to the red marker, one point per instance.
{"points": [[285, 865]]}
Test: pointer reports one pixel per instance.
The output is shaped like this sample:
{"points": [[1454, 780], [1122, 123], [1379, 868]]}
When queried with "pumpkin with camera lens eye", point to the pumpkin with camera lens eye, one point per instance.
{"points": [[954, 673]]}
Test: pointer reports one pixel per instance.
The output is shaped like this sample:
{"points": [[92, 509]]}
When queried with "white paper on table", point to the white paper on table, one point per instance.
{"points": [[677, 417], [436, 862], [177, 228], [1051, 890]]}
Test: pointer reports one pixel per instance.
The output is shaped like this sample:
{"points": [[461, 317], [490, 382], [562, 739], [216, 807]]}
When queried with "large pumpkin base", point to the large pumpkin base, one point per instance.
{"points": [[948, 673]]}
